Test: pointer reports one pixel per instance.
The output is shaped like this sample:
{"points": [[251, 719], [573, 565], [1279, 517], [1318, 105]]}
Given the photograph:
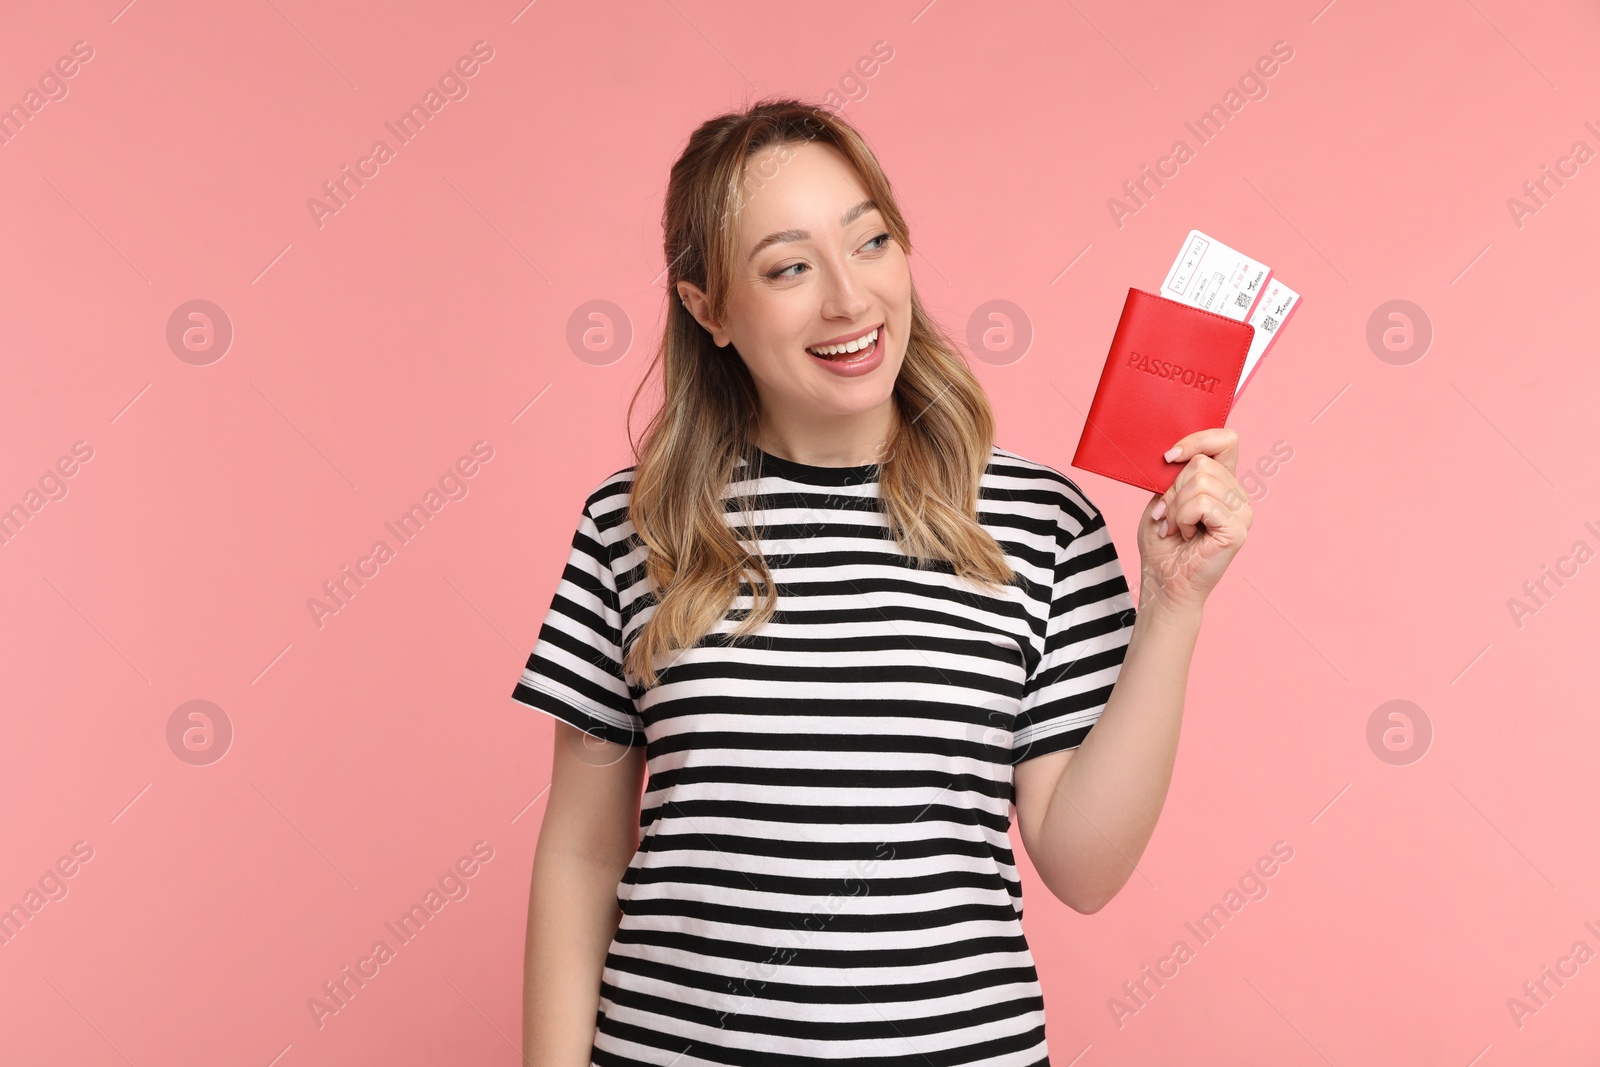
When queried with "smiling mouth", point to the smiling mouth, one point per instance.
{"points": [[859, 349]]}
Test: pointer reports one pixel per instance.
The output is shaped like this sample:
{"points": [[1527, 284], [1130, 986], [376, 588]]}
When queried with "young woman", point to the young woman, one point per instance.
{"points": [[845, 632]]}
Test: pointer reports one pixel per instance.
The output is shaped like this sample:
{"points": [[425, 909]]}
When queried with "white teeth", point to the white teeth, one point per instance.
{"points": [[853, 346]]}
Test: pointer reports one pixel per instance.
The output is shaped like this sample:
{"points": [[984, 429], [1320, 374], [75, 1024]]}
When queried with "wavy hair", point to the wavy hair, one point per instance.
{"points": [[710, 411]]}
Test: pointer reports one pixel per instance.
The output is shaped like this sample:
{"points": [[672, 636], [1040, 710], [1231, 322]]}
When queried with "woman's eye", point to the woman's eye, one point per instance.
{"points": [[783, 272]]}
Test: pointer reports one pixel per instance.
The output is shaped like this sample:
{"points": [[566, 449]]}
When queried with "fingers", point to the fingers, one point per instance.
{"points": [[1200, 474], [1204, 491], [1218, 514], [1218, 442], [1214, 452]]}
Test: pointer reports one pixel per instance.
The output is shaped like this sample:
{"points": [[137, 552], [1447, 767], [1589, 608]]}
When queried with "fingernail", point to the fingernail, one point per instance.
{"points": [[1173, 453], [1159, 510], [1162, 528]]}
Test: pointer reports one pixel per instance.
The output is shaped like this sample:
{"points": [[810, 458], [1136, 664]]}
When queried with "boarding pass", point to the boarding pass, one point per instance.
{"points": [[1208, 274]]}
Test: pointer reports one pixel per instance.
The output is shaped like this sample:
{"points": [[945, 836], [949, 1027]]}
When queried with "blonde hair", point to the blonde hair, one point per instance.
{"points": [[710, 410]]}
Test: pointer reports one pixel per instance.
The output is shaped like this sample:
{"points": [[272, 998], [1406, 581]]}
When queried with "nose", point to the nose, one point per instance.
{"points": [[844, 297]]}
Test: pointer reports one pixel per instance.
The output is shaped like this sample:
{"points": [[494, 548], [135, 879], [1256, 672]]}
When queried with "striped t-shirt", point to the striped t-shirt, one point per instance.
{"points": [[824, 871]]}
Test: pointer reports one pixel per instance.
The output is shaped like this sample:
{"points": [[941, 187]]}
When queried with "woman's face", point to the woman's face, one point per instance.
{"points": [[814, 266]]}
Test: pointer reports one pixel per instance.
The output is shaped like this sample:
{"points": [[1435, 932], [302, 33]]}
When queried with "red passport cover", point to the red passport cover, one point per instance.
{"points": [[1172, 370]]}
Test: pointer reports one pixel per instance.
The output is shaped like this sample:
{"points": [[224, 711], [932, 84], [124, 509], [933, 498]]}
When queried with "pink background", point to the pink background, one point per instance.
{"points": [[371, 751]]}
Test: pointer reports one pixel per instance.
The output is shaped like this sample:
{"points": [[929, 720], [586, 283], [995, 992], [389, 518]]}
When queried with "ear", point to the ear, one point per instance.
{"points": [[695, 299]]}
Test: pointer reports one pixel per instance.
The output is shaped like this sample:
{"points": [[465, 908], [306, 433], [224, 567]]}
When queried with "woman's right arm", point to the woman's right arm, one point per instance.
{"points": [[589, 834]]}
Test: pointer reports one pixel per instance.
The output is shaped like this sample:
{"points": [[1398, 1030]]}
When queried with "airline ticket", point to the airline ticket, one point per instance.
{"points": [[1210, 275], [1277, 303]]}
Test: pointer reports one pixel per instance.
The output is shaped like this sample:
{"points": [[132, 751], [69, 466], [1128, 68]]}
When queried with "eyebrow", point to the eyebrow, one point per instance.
{"points": [[846, 219]]}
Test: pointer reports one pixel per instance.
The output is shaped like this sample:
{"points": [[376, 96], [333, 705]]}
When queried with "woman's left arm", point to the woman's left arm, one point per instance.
{"points": [[1086, 814]]}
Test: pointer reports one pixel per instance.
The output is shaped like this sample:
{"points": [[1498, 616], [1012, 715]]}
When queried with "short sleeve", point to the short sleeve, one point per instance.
{"points": [[1086, 637], [575, 670]]}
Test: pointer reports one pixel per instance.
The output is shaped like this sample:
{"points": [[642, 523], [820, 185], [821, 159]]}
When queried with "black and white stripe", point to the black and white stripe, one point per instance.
{"points": [[824, 870]]}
